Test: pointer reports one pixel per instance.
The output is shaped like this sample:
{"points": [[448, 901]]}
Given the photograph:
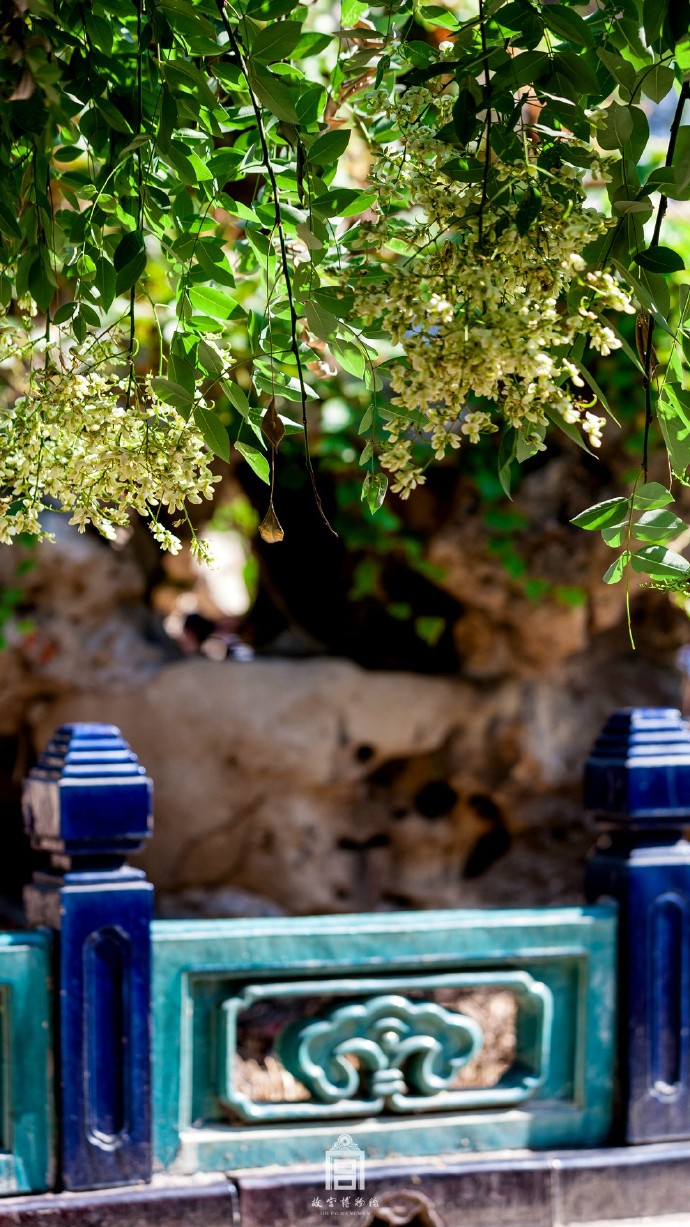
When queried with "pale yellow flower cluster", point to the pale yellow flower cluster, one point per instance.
{"points": [[85, 437], [490, 301]]}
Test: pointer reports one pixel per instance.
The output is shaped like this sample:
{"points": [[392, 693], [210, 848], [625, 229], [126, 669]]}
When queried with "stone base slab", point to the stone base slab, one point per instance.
{"points": [[616, 1187]]}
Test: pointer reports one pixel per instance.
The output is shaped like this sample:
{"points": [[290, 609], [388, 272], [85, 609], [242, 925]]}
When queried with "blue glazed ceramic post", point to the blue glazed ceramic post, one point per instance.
{"points": [[88, 804], [637, 782]]}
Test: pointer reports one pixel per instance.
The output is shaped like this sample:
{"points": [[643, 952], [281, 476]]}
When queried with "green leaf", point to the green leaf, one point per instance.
{"points": [[360, 204], [329, 147], [659, 527], [42, 279], [636, 145], [673, 410], [209, 360], [308, 237], [653, 14], [65, 313], [621, 70], [603, 515], [506, 455], [136, 143], [181, 371], [615, 535], [374, 490], [660, 260], [79, 328], [660, 563], [216, 303], [333, 203], [183, 74], [276, 41], [225, 164], [237, 397], [168, 120], [672, 181], [523, 69], [633, 206], [275, 95], [184, 167], [567, 24], [172, 393], [68, 153], [352, 10], [648, 297], [349, 356], [528, 210], [681, 156], [129, 260], [465, 122], [651, 496], [186, 19], [87, 313], [214, 434], [569, 429], [321, 323], [214, 264], [464, 170], [619, 127], [311, 44], [255, 460], [105, 281], [112, 116], [658, 82], [577, 68], [617, 569], [8, 224], [596, 389], [310, 104]]}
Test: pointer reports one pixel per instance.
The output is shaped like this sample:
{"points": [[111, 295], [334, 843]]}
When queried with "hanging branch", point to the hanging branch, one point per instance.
{"points": [[487, 126], [294, 345], [645, 333]]}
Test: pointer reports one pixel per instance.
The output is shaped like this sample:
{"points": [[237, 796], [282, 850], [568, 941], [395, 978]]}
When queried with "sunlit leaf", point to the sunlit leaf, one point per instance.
{"points": [[651, 496], [658, 527], [214, 433], [616, 571], [374, 490], [255, 460], [602, 515], [660, 563]]}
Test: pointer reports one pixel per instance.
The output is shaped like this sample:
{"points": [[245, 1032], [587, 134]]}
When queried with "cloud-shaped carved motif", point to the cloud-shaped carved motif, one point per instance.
{"points": [[380, 1049]]}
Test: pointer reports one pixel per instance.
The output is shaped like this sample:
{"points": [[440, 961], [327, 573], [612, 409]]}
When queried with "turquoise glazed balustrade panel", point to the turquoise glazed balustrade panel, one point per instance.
{"points": [[272, 1036], [26, 1094]]}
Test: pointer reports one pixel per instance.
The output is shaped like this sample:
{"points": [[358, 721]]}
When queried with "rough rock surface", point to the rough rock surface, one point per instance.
{"points": [[320, 786], [315, 785]]}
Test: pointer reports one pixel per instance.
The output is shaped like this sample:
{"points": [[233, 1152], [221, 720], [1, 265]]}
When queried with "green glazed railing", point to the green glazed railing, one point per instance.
{"points": [[275, 1041], [27, 1151], [350, 1004]]}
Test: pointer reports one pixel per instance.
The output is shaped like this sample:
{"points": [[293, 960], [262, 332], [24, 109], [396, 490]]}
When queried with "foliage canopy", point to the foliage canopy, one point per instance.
{"points": [[402, 191]]}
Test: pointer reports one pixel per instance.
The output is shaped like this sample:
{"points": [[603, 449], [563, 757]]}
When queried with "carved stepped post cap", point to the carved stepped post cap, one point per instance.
{"points": [[638, 774], [88, 795]]}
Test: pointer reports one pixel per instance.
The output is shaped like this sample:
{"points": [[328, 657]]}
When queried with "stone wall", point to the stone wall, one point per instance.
{"points": [[315, 785]]}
